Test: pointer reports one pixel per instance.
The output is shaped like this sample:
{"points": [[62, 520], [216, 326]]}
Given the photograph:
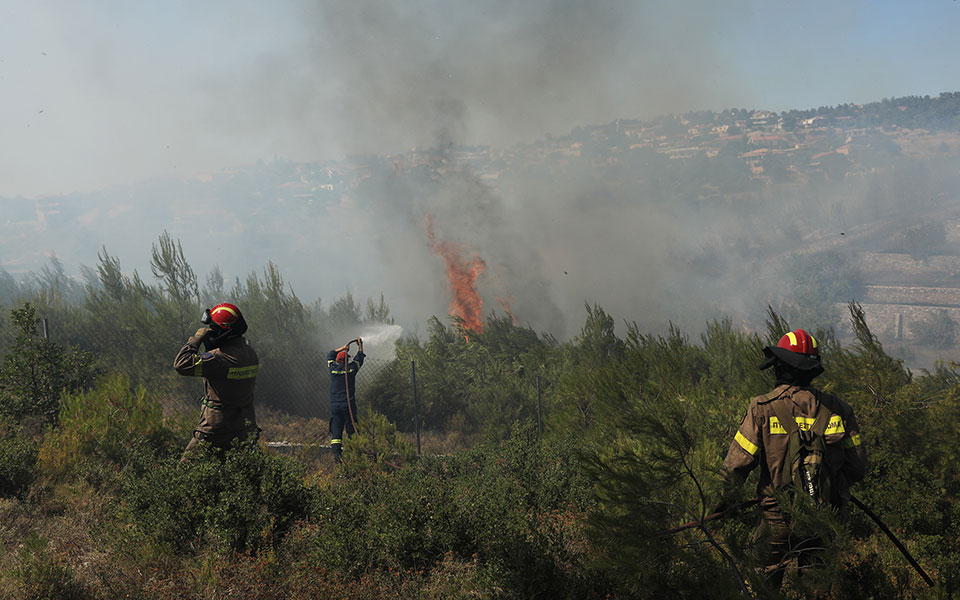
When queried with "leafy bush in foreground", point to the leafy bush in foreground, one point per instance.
{"points": [[18, 460], [515, 509], [104, 425], [246, 501]]}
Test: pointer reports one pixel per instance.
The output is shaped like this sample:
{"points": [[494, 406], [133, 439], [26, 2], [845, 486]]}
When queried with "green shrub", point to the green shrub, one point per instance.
{"points": [[514, 511], [37, 371], [376, 446], [104, 424], [18, 460], [245, 501]]}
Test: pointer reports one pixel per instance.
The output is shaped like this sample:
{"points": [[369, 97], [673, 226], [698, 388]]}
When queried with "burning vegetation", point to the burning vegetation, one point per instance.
{"points": [[462, 275]]}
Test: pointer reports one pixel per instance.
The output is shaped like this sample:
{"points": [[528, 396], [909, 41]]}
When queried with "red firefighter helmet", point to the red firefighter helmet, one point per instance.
{"points": [[225, 315], [797, 349], [342, 356], [799, 341]]}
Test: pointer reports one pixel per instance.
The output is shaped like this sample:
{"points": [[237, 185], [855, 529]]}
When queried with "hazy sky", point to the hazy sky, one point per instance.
{"points": [[103, 92]]}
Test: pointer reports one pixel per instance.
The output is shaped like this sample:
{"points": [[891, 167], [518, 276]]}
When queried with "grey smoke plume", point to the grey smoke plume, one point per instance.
{"points": [[378, 78], [385, 77]]}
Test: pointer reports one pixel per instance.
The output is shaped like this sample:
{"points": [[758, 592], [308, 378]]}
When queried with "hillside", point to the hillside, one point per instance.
{"points": [[706, 205], [497, 459]]}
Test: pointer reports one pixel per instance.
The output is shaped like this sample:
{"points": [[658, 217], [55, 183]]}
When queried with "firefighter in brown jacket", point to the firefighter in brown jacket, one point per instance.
{"points": [[229, 370], [762, 440]]}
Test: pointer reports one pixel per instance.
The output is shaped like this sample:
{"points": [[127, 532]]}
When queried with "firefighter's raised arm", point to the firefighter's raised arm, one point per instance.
{"points": [[188, 357]]}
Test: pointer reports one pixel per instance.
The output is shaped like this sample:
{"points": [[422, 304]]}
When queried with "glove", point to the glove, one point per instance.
{"points": [[202, 334]]}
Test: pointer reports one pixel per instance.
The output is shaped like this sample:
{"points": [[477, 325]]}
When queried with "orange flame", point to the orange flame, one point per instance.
{"points": [[462, 278]]}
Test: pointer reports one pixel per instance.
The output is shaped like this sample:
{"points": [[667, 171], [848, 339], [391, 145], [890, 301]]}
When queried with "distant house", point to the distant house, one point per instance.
{"points": [[761, 118], [812, 122]]}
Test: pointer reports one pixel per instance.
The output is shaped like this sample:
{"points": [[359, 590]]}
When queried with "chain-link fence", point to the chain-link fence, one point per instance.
{"points": [[299, 384], [412, 399], [293, 385]]}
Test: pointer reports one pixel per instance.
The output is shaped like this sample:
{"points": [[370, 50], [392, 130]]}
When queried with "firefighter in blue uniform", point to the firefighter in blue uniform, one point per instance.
{"points": [[343, 399]]}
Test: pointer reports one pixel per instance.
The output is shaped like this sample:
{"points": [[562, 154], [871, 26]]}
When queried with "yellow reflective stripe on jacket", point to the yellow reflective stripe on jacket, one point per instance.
{"points": [[746, 444], [198, 367], [242, 372], [852, 442], [337, 441], [803, 423], [834, 425]]}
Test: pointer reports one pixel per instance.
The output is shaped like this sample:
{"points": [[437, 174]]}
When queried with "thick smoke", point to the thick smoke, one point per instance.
{"points": [[380, 77], [385, 77], [363, 82]]}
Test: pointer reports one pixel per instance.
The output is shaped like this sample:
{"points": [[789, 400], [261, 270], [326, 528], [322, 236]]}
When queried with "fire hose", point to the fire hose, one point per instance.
{"points": [[731, 512], [346, 379], [893, 539]]}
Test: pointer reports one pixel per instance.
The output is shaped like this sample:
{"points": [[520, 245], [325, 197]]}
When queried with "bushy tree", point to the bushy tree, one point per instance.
{"points": [[178, 283], [482, 381], [38, 371]]}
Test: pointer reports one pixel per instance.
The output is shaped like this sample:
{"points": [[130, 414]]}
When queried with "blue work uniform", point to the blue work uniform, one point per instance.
{"points": [[342, 388]]}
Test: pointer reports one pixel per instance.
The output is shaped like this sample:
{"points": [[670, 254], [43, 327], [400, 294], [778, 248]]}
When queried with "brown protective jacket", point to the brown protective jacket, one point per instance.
{"points": [[229, 377], [762, 440]]}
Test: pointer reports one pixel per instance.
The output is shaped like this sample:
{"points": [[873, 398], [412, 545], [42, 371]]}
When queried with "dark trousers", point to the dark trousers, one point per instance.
{"points": [[785, 544], [340, 421]]}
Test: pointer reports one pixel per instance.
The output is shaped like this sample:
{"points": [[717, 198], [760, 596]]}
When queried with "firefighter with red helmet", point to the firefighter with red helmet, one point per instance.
{"points": [[228, 367], [762, 440], [343, 398]]}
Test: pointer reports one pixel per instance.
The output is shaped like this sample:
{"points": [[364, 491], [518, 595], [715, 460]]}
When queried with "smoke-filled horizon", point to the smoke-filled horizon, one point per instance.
{"points": [[104, 92], [646, 246], [109, 93]]}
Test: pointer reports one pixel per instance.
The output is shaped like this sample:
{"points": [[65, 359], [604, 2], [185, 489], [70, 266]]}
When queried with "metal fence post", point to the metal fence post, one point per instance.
{"points": [[416, 406], [539, 410], [46, 330]]}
